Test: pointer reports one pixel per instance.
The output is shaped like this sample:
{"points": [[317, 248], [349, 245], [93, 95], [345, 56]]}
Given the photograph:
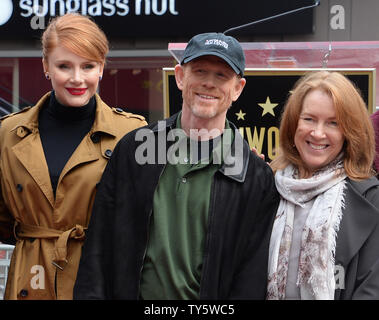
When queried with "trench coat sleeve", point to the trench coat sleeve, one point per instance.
{"points": [[250, 281], [6, 222], [94, 279], [6, 218]]}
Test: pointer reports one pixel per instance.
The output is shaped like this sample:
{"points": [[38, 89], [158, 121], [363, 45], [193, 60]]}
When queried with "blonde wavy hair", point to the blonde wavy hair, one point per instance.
{"points": [[352, 117]]}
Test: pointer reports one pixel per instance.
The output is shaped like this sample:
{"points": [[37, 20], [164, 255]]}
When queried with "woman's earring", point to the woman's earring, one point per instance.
{"points": [[47, 76], [100, 77]]}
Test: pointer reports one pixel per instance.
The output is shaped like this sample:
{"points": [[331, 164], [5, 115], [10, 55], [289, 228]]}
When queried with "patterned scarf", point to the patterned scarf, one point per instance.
{"points": [[318, 241]]}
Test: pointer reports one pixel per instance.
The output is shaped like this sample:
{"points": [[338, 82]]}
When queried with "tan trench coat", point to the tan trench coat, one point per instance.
{"points": [[50, 232]]}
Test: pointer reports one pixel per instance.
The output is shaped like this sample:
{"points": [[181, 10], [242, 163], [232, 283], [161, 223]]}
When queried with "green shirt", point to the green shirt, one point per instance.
{"points": [[174, 257]]}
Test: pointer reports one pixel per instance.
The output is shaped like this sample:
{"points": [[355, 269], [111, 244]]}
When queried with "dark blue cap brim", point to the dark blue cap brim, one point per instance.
{"points": [[212, 53]]}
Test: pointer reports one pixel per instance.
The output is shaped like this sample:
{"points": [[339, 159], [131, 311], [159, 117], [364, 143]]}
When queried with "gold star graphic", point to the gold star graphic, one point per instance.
{"points": [[268, 107], [240, 115], [146, 84]]}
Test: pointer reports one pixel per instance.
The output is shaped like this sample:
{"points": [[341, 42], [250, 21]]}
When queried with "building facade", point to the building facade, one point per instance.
{"points": [[140, 31]]}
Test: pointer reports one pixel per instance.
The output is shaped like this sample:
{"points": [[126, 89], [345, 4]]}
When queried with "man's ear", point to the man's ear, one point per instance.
{"points": [[240, 84], [179, 76]]}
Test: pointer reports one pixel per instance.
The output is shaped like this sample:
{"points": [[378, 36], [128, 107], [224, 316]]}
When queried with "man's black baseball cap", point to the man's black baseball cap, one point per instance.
{"points": [[216, 44]]}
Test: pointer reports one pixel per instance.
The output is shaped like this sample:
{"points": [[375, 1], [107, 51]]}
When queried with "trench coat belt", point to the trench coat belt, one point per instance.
{"points": [[22, 230]]}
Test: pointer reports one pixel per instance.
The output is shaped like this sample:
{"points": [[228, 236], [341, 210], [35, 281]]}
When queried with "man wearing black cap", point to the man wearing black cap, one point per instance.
{"points": [[184, 209]]}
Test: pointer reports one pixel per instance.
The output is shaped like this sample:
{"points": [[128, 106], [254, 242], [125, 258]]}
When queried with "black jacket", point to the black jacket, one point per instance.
{"points": [[241, 214], [357, 246]]}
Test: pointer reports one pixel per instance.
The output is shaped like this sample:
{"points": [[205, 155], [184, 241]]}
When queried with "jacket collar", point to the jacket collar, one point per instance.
{"points": [[103, 111], [236, 160], [30, 120], [359, 218]]}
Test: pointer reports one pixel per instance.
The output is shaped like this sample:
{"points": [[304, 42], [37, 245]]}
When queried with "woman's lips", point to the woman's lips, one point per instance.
{"points": [[77, 91]]}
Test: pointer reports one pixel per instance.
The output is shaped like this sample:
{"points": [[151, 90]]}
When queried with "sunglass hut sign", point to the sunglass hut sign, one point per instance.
{"points": [[38, 10]]}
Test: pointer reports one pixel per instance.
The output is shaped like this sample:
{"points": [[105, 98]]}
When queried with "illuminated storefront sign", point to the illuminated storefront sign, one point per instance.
{"points": [[134, 18]]}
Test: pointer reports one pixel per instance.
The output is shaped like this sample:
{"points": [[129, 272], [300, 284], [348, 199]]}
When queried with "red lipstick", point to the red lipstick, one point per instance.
{"points": [[77, 91]]}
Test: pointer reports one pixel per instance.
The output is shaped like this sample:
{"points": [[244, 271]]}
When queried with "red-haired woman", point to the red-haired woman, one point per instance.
{"points": [[324, 243], [52, 157]]}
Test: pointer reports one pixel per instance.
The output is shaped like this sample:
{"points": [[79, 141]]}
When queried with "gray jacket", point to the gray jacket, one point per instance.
{"points": [[357, 250]]}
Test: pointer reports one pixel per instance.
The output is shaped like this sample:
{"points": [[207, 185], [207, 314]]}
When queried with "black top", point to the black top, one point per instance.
{"points": [[62, 129]]}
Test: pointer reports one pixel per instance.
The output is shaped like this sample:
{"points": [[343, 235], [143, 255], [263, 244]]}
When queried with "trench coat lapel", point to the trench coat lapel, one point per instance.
{"points": [[356, 226], [30, 153], [29, 150], [85, 152], [87, 149]]}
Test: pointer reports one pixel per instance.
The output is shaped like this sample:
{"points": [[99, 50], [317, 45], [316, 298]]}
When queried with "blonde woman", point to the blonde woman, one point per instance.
{"points": [[324, 243], [52, 157]]}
